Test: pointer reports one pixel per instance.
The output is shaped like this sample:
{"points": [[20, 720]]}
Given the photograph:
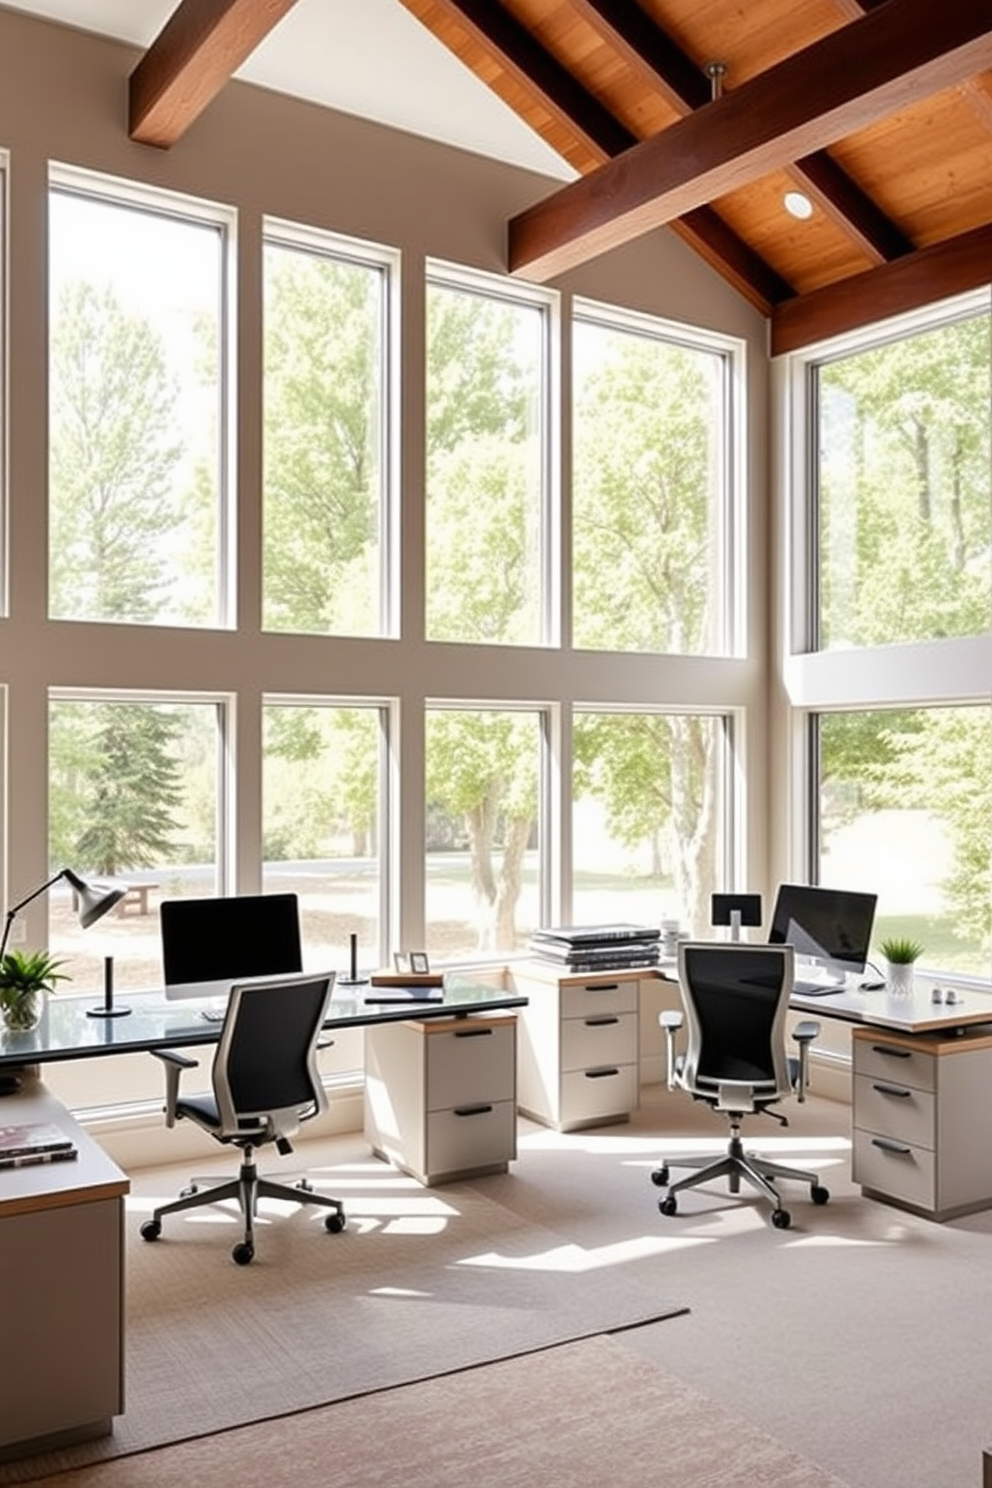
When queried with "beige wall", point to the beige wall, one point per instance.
{"points": [[63, 98]]}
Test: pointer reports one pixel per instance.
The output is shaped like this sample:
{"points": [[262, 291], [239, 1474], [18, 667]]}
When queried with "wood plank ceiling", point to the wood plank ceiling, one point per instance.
{"points": [[702, 114]]}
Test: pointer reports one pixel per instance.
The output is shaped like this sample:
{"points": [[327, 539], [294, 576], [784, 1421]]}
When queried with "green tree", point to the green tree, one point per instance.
{"points": [[322, 438], [132, 788], [113, 452]]}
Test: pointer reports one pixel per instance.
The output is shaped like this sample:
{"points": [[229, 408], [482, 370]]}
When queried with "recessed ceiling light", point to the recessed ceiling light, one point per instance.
{"points": [[798, 205]]}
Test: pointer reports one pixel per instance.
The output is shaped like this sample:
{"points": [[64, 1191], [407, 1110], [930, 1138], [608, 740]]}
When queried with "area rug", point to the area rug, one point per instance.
{"points": [[578, 1415], [423, 1282]]}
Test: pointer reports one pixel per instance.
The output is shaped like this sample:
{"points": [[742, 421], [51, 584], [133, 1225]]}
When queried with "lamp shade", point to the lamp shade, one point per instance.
{"points": [[94, 897]]}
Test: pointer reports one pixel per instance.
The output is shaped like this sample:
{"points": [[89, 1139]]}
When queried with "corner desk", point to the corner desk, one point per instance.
{"points": [[62, 1223]]}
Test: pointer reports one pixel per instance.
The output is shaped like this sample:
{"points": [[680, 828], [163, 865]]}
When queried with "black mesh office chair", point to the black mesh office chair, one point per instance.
{"points": [[735, 998], [265, 1083]]}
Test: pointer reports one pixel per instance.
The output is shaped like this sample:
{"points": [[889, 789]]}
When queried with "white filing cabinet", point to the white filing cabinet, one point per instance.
{"points": [[921, 1111], [440, 1095], [577, 1046]]}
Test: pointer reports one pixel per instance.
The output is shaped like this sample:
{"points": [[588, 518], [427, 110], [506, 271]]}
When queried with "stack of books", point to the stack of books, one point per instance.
{"points": [[34, 1142], [586, 948]]}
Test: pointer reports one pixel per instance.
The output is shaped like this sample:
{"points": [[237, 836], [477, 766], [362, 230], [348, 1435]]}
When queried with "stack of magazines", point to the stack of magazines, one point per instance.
{"points": [[586, 948], [34, 1142]]}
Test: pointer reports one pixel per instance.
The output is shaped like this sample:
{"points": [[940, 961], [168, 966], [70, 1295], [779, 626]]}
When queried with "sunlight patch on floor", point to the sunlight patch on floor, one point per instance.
{"points": [[575, 1259]]}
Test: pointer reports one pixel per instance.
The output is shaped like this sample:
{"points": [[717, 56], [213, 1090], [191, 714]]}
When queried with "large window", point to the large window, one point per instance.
{"points": [[905, 811], [327, 434], [483, 830], [904, 454], [650, 818], [322, 793], [652, 497], [137, 374], [487, 461], [134, 793]]}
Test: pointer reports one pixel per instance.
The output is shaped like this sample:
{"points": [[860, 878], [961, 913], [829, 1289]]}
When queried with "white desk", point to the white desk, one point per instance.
{"points": [[915, 1014], [62, 1261], [921, 1096]]}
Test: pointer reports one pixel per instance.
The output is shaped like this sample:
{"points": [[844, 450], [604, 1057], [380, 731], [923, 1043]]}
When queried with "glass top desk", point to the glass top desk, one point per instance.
{"points": [[67, 1031]]}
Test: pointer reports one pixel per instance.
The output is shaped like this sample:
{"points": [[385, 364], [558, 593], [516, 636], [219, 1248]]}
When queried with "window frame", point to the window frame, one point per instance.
{"points": [[734, 504], [299, 237], [156, 201], [445, 275]]}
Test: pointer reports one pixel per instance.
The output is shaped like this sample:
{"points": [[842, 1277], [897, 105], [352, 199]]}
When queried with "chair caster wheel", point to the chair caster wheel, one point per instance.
{"points": [[819, 1194], [781, 1219], [151, 1229], [334, 1223], [668, 1205], [244, 1253], [660, 1176]]}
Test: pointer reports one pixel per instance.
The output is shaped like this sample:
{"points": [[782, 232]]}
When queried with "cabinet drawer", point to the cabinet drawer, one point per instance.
{"points": [[602, 1038], [892, 1109], [590, 999], [479, 1134], [471, 1063], [596, 1095], [897, 1169], [889, 1061]]}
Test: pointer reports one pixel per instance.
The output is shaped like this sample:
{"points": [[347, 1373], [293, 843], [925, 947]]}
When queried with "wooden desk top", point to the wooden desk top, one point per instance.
{"points": [[88, 1177]]}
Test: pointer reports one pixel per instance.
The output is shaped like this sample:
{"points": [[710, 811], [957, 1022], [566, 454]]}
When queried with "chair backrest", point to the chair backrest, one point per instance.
{"points": [[736, 997], [265, 1067]]}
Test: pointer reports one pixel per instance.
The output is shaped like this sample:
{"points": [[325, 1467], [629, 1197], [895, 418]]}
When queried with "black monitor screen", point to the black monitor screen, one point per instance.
{"points": [[247, 935], [832, 925]]}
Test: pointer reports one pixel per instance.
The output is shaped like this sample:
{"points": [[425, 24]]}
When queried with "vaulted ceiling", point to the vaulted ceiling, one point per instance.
{"points": [[701, 115]]}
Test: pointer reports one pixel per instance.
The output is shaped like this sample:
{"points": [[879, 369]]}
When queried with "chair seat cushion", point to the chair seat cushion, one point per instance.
{"points": [[200, 1108]]}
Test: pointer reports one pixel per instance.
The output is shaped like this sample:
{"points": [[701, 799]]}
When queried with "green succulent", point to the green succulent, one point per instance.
{"points": [[900, 950], [28, 971]]}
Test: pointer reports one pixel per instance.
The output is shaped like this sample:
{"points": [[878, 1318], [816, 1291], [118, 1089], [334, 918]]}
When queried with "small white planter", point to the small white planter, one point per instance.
{"points": [[900, 980]]}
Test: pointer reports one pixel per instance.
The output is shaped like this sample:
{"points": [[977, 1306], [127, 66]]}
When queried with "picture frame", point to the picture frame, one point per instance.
{"points": [[400, 961], [419, 963]]}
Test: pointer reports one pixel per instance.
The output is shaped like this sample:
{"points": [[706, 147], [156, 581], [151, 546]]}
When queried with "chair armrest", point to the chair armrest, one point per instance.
{"points": [[671, 1022], [174, 1063], [804, 1033]]}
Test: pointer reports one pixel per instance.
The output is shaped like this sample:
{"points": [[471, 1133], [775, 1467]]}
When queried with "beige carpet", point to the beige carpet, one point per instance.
{"points": [[590, 1414], [421, 1283]]}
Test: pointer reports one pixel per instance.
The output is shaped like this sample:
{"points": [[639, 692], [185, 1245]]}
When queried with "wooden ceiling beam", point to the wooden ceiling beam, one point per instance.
{"points": [[828, 184], [513, 46], [658, 61], [901, 52], [201, 44], [921, 278]]}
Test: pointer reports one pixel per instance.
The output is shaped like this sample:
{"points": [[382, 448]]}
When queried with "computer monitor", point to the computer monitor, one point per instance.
{"points": [[830, 929], [209, 943]]}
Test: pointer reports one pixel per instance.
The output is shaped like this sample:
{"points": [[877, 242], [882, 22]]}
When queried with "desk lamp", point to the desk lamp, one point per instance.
{"points": [[92, 902]]}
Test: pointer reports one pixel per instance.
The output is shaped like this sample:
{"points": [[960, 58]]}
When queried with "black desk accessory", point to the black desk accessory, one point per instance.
{"points": [[735, 910], [353, 979], [108, 1010]]}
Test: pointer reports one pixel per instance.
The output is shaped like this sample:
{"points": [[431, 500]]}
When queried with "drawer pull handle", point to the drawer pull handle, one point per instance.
{"points": [[472, 1110], [891, 1053], [605, 1020], [887, 1145], [600, 1074], [472, 1032], [603, 987], [893, 1090]]}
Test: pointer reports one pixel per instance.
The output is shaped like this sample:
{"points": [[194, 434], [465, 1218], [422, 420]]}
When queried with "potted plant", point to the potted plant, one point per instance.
{"points": [[24, 978], [901, 953]]}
